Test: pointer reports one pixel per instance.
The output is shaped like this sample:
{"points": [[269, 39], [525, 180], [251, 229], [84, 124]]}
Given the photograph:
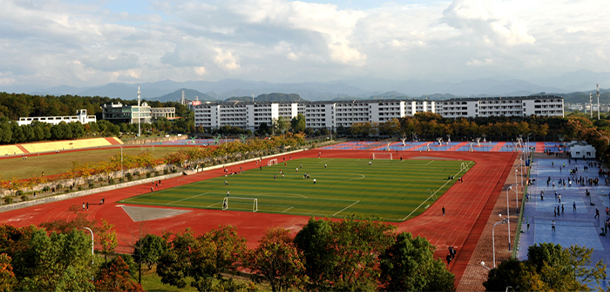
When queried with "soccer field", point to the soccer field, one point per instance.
{"points": [[392, 189]]}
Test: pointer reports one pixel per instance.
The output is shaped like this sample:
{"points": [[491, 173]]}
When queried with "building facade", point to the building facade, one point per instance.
{"points": [[334, 114], [522, 106], [163, 112], [81, 117], [118, 113]]}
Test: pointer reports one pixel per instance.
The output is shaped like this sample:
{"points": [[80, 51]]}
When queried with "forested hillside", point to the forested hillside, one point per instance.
{"points": [[16, 105]]}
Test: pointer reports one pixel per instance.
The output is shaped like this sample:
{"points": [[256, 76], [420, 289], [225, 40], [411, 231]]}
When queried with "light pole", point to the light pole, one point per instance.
{"points": [[484, 266], [507, 216], [517, 189], [121, 161], [493, 238], [92, 253]]}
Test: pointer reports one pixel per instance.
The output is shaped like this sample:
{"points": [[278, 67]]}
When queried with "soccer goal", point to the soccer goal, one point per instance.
{"points": [[238, 203], [384, 155], [272, 162]]}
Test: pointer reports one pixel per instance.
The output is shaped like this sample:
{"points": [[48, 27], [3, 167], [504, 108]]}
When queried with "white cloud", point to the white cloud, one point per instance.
{"points": [[486, 20], [59, 42], [225, 59]]}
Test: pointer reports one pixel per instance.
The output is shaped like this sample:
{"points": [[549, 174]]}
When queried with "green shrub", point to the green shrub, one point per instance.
{"points": [[91, 185], [19, 193], [174, 170], [121, 180], [8, 200], [46, 189], [80, 188], [111, 181], [148, 174], [24, 198], [66, 191], [156, 173], [100, 179], [136, 173], [165, 171]]}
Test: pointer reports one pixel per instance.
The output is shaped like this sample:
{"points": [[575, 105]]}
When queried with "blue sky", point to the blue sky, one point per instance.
{"points": [[88, 43]]}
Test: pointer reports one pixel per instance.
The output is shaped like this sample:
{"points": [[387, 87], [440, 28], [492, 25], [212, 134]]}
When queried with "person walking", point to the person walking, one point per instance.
{"points": [[596, 213], [574, 205], [553, 225], [443, 210], [561, 208], [87, 206]]}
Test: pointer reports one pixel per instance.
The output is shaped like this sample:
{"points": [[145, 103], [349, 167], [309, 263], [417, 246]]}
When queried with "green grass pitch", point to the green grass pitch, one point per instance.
{"points": [[391, 189]]}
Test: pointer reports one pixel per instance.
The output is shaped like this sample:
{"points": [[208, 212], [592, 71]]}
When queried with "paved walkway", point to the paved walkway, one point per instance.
{"points": [[574, 226]]}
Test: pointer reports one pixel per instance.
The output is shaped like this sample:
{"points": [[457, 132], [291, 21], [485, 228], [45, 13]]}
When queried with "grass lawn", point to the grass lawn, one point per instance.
{"points": [[392, 189], [62, 162]]}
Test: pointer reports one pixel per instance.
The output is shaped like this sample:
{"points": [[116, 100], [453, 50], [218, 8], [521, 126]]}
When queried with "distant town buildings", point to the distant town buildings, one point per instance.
{"points": [[333, 114], [81, 117]]}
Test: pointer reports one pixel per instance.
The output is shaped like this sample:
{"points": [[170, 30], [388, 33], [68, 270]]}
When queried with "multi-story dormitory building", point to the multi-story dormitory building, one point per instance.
{"points": [[334, 114], [544, 105]]}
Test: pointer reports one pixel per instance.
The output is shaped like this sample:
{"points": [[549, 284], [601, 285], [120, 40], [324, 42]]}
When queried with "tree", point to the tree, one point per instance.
{"points": [[344, 252], [117, 278], [149, 249], [298, 123], [278, 260], [203, 258], [409, 265], [320, 260], [7, 277], [549, 267], [107, 239], [263, 129], [281, 124], [53, 261]]}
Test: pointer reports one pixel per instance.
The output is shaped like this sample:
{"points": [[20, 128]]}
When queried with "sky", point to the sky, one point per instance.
{"points": [[90, 42]]}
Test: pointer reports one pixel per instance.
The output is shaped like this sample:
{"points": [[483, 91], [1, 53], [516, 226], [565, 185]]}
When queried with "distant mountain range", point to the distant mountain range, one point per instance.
{"points": [[361, 88]]}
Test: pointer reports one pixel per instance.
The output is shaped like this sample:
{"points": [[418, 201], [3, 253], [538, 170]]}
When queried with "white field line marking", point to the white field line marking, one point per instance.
{"points": [[358, 177], [280, 196], [429, 162], [346, 208], [431, 196], [187, 198], [287, 209], [213, 204]]}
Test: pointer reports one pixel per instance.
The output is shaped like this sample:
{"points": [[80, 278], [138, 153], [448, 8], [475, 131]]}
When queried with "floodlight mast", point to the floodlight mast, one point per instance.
{"points": [[598, 101]]}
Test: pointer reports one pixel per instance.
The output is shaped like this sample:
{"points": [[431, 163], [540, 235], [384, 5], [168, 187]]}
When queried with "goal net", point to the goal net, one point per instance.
{"points": [[238, 203], [382, 156], [271, 162]]}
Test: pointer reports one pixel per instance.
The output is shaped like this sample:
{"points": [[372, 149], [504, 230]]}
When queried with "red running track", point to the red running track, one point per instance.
{"points": [[468, 206]]}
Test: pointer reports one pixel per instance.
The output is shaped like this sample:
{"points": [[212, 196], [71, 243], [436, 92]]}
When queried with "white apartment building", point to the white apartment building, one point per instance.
{"points": [[334, 114], [81, 117], [318, 115], [544, 105]]}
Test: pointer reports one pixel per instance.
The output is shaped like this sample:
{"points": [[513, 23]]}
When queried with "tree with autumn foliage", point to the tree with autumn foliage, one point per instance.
{"points": [[107, 239], [116, 277], [204, 258], [277, 260], [7, 277]]}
